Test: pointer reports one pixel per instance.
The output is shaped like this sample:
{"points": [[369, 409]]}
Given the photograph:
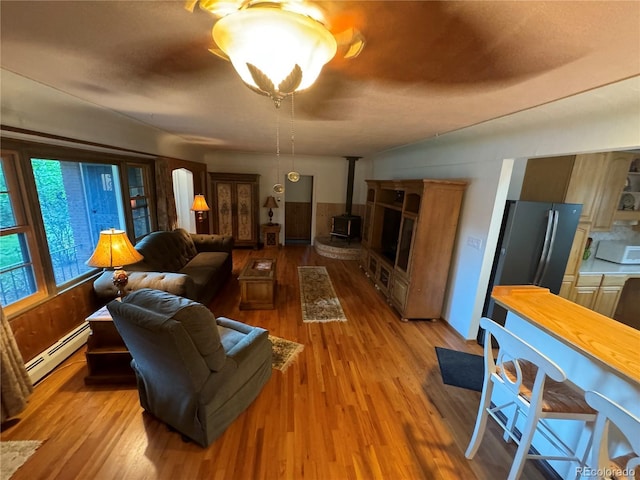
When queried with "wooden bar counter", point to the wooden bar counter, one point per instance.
{"points": [[595, 352], [615, 345]]}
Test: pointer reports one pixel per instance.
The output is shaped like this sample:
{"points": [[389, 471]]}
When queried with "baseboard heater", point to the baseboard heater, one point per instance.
{"points": [[57, 353]]}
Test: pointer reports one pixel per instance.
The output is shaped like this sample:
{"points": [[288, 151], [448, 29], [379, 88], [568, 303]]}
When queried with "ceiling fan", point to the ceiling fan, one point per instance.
{"points": [[277, 47]]}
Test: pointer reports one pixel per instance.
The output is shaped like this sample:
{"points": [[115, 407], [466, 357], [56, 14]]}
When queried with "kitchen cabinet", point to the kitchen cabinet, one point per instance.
{"points": [[627, 203], [235, 207], [619, 197], [566, 179], [408, 236], [586, 290], [599, 292], [609, 294], [575, 259]]}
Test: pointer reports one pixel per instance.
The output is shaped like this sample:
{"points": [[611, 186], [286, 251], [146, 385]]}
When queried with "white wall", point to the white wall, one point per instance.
{"points": [[485, 155], [329, 177], [33, 106]]}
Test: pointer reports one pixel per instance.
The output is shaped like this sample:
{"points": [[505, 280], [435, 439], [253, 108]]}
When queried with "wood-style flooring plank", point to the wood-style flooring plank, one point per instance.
{"points": [[363, 400]]}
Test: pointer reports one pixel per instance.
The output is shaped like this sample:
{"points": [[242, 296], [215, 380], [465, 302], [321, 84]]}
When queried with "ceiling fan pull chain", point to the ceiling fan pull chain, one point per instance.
{"points": [[278, 187], [293, 148], [293, 176]]}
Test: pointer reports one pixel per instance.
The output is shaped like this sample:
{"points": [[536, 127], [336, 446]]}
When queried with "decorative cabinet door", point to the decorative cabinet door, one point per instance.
{"points": [[224, 208], [235, 204]]}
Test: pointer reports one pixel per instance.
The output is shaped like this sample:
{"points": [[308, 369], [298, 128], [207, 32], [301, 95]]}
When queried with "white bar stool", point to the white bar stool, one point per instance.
{"points": [[623, 467], [521, 372]]}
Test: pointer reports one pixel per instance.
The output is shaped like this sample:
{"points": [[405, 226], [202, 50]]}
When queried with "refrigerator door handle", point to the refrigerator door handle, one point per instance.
{"points": [[544, 255], [554, 231]]}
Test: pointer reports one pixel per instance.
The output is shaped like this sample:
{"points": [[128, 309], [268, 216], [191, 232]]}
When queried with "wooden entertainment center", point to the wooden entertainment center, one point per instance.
{"points": [[408, 237]]}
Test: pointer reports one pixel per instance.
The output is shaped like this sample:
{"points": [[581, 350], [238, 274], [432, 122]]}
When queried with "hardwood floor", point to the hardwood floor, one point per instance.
{"points": [[364, 400]]}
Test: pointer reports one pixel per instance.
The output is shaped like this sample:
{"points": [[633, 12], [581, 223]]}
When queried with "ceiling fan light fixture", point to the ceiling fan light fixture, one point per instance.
{"points": [[275, 40]]}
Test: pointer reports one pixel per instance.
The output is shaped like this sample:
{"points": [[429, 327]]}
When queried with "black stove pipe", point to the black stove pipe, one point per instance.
{"points": [[350, 179]]}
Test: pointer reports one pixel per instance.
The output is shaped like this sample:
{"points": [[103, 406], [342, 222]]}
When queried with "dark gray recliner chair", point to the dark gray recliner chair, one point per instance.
{"points": [[194, 372]]}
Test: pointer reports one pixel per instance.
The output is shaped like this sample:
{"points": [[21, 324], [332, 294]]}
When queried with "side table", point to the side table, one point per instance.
{"points": [[108, 359], [271, 235]]}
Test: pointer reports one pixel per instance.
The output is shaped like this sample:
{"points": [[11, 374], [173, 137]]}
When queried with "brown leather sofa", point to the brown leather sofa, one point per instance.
{"points": [[189, 265]]}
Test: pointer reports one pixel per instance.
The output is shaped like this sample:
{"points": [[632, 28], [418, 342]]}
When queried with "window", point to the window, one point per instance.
{"points": [[77, 201], [54, 202], [139, 199], [20, 278]]}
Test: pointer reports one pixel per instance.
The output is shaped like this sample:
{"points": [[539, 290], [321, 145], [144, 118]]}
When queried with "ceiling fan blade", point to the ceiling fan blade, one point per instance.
{"points": [[451, 42]]}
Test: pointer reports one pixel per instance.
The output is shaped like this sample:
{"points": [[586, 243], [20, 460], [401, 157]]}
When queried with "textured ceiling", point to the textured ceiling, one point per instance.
{"points": [[428, 67]]}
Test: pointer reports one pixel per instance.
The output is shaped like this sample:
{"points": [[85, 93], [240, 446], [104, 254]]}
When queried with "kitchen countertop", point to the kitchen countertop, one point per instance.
{"points": [[613, 344], [597, 266]]}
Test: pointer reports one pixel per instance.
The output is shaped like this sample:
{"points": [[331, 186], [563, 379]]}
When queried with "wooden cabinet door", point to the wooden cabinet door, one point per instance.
{"points": [[613, 184], [577, 249], [224, 208], [245, 214], [586, 290], [585, 296], [586, 183], [606, 300], [609, 294]]}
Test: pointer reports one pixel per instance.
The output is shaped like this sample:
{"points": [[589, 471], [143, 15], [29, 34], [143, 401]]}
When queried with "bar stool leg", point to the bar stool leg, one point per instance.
{"points": [[481, 420]]}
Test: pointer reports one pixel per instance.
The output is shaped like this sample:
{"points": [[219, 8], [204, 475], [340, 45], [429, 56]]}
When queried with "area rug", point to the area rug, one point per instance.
{"points": [[14, 454], [461, 369], [317, 296], [284, 352]]}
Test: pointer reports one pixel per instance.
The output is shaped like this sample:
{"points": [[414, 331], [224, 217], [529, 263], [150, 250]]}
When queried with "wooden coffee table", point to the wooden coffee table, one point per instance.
{"points": [[258, 284]]}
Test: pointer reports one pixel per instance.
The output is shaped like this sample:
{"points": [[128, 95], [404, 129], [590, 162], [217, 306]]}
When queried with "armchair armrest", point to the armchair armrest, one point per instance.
{"points": [[240, 350], [212, 243]]}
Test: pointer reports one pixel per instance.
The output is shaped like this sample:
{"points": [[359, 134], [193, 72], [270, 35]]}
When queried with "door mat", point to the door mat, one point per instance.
{"points": [[317, 296], [461, 369], [284, 352], [14, 454]]}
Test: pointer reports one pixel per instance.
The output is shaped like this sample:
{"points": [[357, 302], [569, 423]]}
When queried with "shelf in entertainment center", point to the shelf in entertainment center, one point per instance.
{"points": [[393, 206]]}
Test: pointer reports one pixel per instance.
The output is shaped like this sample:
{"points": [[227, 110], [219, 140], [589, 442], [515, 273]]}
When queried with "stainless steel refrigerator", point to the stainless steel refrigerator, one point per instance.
{"points": [[533, 249]]}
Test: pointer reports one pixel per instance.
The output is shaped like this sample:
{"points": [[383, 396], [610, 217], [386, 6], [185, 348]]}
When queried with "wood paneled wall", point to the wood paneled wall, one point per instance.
{"points": [[297, 220], [40, 327]]}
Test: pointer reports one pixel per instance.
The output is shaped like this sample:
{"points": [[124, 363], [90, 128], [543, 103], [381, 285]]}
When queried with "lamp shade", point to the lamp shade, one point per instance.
{"points": [[199, 204], [113, 250], [270, 202], [275, 40]]}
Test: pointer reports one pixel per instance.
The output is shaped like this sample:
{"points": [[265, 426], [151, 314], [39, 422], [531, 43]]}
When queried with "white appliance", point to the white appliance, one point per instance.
{"points": [[618, 252]]}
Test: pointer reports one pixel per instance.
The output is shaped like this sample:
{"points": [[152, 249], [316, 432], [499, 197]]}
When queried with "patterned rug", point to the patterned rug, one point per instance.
{"points": [[14, 454], [284, 352], [319, 300]]}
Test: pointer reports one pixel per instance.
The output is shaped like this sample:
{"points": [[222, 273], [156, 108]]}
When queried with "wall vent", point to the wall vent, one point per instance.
{"points": [[57, 353]]}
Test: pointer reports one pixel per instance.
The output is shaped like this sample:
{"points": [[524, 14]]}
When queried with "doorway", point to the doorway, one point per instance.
{"points": [[183, 192], [298, 211]]}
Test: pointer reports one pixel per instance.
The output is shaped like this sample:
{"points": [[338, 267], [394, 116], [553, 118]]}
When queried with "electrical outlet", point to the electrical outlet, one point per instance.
{"points": [[474, 242]]}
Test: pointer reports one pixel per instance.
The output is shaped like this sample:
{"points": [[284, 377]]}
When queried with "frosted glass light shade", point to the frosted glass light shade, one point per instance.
{"points": [[275, 40], [113, 250]]}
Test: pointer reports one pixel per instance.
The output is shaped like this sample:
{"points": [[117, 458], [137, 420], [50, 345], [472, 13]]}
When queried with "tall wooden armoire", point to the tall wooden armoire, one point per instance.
{"points": [[235, 206]]}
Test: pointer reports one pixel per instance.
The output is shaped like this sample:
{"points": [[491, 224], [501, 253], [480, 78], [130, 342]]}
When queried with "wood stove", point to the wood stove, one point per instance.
{"points": [[347, 225]]}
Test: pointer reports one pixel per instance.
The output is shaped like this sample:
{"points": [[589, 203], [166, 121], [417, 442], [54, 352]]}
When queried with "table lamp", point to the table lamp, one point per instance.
{"points": [[200, 206], [114, 250], [270, 203]]}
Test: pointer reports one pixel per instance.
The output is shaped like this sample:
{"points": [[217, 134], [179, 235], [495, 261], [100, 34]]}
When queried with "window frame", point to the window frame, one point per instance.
{"points": [[24, 225], [24, 151]]}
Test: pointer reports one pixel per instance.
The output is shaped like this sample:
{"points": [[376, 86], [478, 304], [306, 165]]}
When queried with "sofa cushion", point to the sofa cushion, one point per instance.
{"points": [[165, 251], [197, 320]]}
